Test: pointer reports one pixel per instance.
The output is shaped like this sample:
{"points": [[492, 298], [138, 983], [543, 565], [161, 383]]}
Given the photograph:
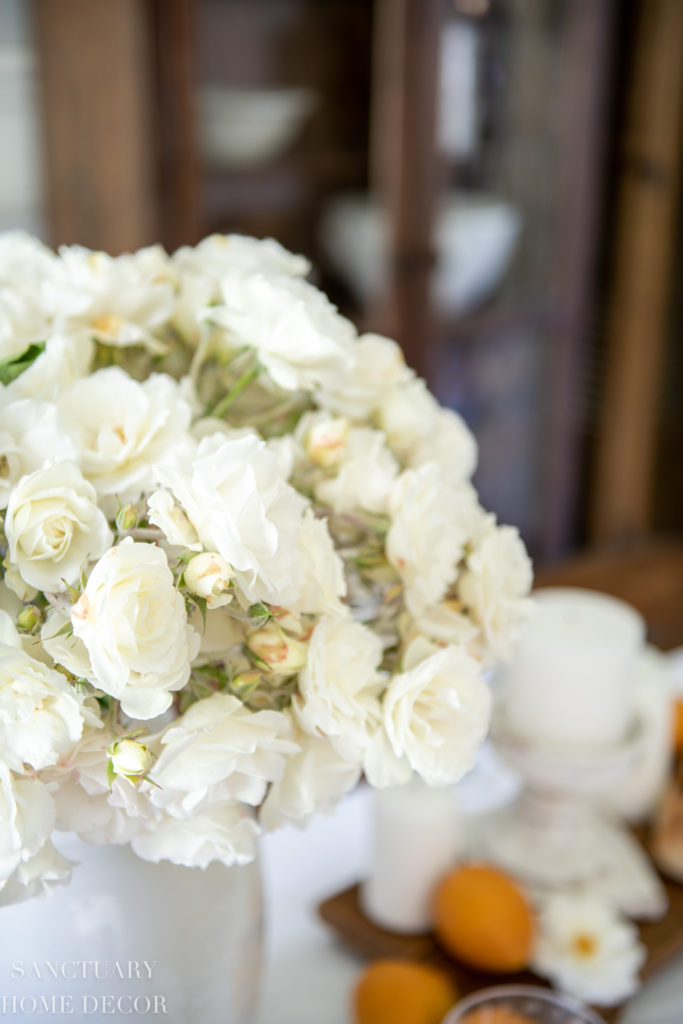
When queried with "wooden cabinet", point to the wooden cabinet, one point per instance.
{"points": [[443, 162]]}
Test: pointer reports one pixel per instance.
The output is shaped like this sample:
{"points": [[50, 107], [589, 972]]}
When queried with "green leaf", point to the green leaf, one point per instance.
{"points": [[13, 366]]}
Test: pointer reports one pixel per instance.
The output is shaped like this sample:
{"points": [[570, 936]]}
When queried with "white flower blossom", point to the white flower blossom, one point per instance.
{"points": [[587, 949], [495, 585], [378, 367], [29, 436], [217, 751], [121, 428], [225, 833], [54, 526], [236, 500], [314, 781], [132, 621], [41, 714], [435, 717], [340, 685], [364, 477], [426, 540], [299, 336], [27, 817]]}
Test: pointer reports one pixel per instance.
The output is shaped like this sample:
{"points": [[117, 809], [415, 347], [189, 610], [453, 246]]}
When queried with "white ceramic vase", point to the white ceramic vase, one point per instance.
{"points": [[130, 940]]}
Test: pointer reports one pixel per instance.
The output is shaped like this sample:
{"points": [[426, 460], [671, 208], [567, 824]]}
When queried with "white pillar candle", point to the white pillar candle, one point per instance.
{"points": [[414, 846], [572, 679]]}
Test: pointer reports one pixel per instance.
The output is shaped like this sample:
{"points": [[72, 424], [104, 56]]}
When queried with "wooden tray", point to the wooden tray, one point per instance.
{"points": [[663, 939]]}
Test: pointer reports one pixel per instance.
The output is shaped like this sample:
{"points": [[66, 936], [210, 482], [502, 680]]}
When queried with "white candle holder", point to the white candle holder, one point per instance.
{"points": [[555, 837]]}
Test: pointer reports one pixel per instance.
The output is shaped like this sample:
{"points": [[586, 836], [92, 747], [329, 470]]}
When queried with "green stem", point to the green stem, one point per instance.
{"points": [[235, 391]]}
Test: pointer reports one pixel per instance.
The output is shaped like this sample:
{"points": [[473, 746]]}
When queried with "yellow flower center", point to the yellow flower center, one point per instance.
{"points": [[584, 945], [107, 324]]}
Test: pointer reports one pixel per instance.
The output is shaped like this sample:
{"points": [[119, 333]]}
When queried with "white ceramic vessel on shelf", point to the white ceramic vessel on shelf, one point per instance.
{"points": [[248, 127], [128, 938], [475, 236]]}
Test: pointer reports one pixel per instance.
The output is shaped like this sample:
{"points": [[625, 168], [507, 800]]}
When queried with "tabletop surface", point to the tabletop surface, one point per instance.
{"points": [[309, 974]]}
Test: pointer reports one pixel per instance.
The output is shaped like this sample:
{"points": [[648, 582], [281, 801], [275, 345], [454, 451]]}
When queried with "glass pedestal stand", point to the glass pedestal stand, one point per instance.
{"points": [[554, 837]]}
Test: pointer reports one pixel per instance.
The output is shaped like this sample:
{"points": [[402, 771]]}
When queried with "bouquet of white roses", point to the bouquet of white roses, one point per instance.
{"points": [[242, 559]]}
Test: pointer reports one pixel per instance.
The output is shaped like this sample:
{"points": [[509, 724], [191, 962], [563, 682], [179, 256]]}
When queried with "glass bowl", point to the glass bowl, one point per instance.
{"points": [[536, 1005]]}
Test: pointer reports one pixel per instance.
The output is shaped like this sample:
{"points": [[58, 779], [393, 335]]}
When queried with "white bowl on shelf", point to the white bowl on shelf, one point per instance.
{"points": [[475, 236], [249, 127]]}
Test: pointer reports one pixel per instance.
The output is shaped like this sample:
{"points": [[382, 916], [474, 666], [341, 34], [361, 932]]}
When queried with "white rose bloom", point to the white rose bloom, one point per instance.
{"points": [[364, 477], [27, 817], [65, 360], [301, 339], [587, 949], [323, 570], [24, 258], [131, 618], [443, 623], [121, 428], [436, 716], [314, 781], [225, 833], [87, 804], [378, 367], [54, 526], [29, 436], [122, 300], [23, 320], [340, 686], [452, 446], [239, 505], [420, 430], [219, 750], [218, 255], [41, 714], [495, 585], [426, 540], [36, 876]]}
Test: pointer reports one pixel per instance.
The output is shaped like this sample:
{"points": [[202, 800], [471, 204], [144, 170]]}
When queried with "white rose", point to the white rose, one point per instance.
{"points": [[436, 715], [120, 428], [65, 360], [323, 438], [36, 876], [451, 445], [54, 527], [226, 834], [219, 750], [301, 339], [314, 780], [378, 367], [218, 255], [322, 569], [209, 576], [495, 585], [131, 618], [129, 759], [122, 300], [364, 476], [27, 817], [339, 687], [420, 430], [97, 809], [425, 541], [443, 623], [240, 506], [41, 714], [29, 436]]}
